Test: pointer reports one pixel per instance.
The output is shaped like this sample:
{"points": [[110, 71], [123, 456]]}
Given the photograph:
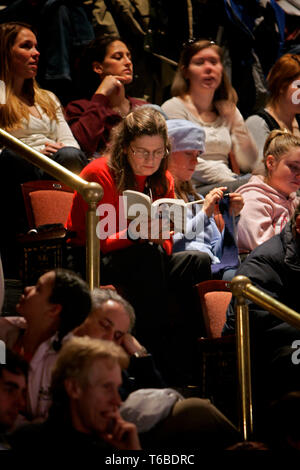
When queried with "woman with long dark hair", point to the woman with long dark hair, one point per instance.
{"points": [[143, 267], [106, 67]]}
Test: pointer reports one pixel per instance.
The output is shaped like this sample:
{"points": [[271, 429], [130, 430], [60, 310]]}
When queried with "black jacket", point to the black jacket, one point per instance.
{"points": [[273, 267]]}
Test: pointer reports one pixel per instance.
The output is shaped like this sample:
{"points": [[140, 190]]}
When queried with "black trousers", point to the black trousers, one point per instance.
{"points": [[160, 288]]}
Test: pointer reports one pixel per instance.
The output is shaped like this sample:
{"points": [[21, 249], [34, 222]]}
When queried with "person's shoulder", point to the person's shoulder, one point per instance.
{"points": [[137, 101], [28, 436], [255, 182], [269, 253], [52, 96], [97, 168], [175, 100], [254, 119]]}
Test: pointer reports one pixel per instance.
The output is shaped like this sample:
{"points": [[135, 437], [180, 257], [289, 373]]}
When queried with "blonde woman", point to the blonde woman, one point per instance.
{"points": [[270, 199], [35, 117]]}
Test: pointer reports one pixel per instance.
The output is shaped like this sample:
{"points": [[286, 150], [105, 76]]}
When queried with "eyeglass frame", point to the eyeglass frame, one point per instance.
{"points": [[147, 154]]}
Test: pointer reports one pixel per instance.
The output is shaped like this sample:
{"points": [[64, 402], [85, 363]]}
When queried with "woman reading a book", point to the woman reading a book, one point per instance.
{"points": [[145, 269], [187, 140]]}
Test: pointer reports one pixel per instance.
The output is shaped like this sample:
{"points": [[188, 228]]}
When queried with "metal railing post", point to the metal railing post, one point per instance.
{"points": [[92, 196], [91, 193], [238, 285]]}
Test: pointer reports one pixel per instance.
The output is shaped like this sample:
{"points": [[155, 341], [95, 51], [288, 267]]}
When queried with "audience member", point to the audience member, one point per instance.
{"points": [[282, 110], [13, 377], [202, 232], [145, 268], [270, 199], [274, 268], [107, 68], [29, 113], [189, 423], [59, 302], [84, 416], [203, 94], [35, 117]]}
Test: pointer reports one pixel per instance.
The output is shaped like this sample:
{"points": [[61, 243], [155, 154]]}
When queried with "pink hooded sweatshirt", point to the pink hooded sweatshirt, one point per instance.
{"points": [[265, 213]]}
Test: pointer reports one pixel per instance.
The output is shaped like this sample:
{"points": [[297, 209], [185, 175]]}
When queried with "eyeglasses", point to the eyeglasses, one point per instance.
{"points": [[145, 154]]}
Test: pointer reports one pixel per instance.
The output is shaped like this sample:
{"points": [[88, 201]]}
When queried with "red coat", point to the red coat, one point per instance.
{"points": [[116, 239]]}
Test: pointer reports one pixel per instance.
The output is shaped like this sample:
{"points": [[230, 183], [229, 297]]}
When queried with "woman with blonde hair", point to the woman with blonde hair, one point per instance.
{"points": [[32, 115], [270, 199], [203, 94]]}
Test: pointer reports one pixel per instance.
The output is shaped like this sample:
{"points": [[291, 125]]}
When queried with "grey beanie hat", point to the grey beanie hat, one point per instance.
{"points": [[185, 135]]}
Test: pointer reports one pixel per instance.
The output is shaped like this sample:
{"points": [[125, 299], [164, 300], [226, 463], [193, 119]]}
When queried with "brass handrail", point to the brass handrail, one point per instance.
{"points": [[92, 193], [243, 289]]}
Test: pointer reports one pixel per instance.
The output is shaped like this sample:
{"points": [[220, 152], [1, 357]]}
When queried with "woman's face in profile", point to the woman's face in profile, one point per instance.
{"points": [[117, 61], [205, 69], [284, 175], [182, 164], [24, 55]]}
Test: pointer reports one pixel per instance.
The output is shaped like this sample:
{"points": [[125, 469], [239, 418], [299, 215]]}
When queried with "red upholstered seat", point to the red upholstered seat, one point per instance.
{"points": [[47, 204], [216, 304], [50, 207], [217, 353]]}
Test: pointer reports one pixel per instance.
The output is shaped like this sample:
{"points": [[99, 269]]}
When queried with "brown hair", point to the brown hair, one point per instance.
{"points": [[183, 189], [278, 143], [180, 84], [14, 109], [140, 122], [284, 71]]}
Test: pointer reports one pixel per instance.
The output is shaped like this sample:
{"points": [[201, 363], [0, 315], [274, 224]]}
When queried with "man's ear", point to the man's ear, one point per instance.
{"points": [[72, 388], [97, 67]]}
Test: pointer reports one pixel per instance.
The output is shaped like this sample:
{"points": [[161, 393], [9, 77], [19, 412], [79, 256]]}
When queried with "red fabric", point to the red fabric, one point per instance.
{"points": [[92, 120], [216, 306], [99, 172], [50, 207]]}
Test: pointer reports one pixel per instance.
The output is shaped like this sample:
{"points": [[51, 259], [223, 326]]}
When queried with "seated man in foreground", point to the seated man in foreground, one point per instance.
{"points": [[84, 414]]}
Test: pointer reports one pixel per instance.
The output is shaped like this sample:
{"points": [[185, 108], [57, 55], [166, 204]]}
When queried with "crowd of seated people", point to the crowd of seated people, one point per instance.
{"points": [[123, 144]]}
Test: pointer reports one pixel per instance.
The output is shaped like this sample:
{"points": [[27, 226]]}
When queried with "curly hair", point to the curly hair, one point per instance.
{"points": [[143, 121]]}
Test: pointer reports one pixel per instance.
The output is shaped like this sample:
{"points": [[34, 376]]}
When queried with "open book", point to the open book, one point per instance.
{"points": [[137, 204]]}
